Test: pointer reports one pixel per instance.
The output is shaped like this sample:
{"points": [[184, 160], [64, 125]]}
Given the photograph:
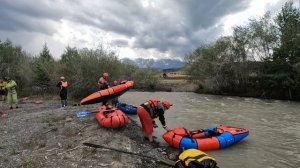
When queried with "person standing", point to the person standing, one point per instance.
{"points": [[150, 110], [2, 90], [63, 93], [115, 100], [103, 84], [12, 97]]}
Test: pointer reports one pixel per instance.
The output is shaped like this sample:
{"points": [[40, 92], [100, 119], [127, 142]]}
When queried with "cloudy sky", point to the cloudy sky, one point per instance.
{"points": [[132, 28]]}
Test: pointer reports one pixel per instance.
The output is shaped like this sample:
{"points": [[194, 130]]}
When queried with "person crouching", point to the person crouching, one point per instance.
{"points": [[150, 110]]}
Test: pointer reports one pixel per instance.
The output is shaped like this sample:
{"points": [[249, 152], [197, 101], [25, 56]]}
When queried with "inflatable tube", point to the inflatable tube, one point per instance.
{"points": [[106, 94], [126, 108], [111, 117], [208, 139]]}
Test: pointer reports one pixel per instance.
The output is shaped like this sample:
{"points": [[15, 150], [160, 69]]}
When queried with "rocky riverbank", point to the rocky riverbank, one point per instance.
{"points": [[43, 135]]}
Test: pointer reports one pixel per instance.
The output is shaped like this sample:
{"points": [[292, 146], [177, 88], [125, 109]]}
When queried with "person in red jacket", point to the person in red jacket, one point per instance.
{"points": [[103, 84], [150, 110]]}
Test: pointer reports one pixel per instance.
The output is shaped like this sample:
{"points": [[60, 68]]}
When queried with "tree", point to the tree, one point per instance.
{"points": [[288, 21], [45, 54], [263, 37], [44, 68]]}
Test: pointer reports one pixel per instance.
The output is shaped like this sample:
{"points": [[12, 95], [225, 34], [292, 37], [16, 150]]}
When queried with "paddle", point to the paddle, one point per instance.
{"points": [[88, 113], [165, 161]]}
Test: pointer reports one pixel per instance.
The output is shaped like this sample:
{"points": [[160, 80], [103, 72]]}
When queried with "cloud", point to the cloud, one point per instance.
{"points": [[135, 28]]}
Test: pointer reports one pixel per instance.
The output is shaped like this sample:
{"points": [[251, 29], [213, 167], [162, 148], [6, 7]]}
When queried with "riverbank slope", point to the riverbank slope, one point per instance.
{"points": [[43, 135]]}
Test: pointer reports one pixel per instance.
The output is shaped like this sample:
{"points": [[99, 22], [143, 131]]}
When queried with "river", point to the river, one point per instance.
{"points": [[274, 140]]}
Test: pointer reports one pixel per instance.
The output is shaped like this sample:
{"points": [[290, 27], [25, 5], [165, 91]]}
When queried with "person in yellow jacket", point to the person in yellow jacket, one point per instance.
{"points": [[193, 158], [12, 97], [2, 89]]}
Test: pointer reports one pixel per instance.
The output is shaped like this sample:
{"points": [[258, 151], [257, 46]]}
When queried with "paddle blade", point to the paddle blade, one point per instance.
{"points": [[83, 114]]}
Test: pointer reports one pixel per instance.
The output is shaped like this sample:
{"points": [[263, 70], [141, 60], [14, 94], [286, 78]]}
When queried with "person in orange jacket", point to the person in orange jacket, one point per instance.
{"points": [[150, 110], [63, 93]]}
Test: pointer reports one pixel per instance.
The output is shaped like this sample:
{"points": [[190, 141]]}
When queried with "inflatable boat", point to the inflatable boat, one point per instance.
{"points": [[207, 139], [107, 94], [111, 117], [126, 108]]}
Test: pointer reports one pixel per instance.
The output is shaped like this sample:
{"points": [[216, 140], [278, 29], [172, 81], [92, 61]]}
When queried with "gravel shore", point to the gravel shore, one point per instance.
{"points": [[44, 135]]}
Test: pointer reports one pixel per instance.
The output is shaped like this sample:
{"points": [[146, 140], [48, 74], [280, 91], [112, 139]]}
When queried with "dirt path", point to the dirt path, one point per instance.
{"points": [[43, 135]]}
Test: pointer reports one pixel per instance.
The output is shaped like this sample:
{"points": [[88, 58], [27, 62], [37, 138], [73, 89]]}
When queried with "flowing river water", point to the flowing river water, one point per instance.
{"points": [[274, 140]]}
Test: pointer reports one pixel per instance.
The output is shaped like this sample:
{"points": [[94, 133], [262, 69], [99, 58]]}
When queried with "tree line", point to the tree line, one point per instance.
{"points": [[260, 59], [38, 75]]}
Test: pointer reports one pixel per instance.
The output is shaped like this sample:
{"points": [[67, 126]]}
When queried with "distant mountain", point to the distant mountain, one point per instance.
{"points": [[159, 64]]}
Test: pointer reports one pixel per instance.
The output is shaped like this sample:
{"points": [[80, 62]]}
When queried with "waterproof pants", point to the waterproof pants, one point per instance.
{"points": [[146, 120]]}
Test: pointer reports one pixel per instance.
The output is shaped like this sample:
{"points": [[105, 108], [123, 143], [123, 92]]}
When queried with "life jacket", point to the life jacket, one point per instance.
{"points": [[11, 86], [193, 158], [103, 85], [64, 84], [151, 106], [191, 134]]}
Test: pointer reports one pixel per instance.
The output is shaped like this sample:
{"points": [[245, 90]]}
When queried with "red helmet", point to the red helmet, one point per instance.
{"points": [[167, 104], [62, 78], [105, 75]]}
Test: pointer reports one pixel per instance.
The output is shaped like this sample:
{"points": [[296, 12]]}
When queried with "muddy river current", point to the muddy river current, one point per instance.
{"points": [[274, 125]]}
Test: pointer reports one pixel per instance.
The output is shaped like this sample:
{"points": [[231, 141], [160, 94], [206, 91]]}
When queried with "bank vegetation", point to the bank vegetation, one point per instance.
{"points": [[38, 75], [260, 59]]}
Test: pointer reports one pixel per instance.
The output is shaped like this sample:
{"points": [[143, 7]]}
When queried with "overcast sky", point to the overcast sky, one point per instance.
{"points": [[132, 28]]}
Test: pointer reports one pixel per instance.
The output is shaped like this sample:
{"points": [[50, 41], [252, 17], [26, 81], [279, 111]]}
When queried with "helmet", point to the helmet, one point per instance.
{"points": [[105, 75], [167, 104], [115, 82], [62, 78]]}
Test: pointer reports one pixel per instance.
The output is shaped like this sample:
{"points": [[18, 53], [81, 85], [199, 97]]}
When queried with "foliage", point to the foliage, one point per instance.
{"points": [[15, 63], [82, 69], [288, 21], [44, 68], [261, 57]]}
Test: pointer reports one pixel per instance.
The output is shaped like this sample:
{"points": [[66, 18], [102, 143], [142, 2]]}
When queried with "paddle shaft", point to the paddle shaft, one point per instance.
{"points": [[103, 111], [96, 112], [165, 161]]}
